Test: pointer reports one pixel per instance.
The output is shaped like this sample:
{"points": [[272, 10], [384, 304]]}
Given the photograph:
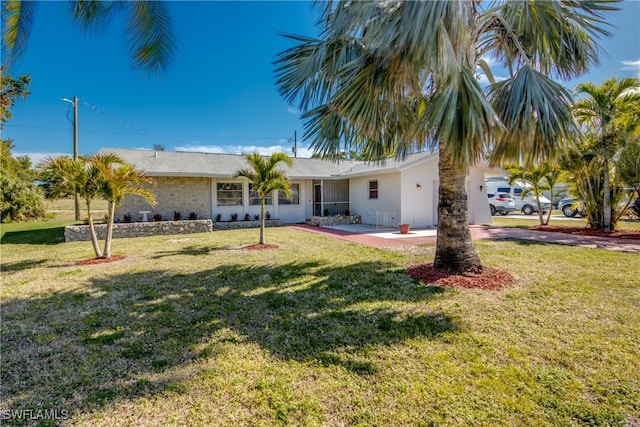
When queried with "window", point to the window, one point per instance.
{"points": [[294, 199], [373, 189], [254, 200], [229, 194], [504, 189]]}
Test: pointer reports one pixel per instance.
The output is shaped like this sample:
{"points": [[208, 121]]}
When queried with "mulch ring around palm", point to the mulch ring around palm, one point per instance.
{"points": [[489, 279], [92, 261], [260, 247]]}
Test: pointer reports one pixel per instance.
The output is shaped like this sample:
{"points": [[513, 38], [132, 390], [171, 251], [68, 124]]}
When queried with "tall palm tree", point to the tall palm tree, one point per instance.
{"points": [[69, 176], [398, 76], [119, 179], [148, 28], [611, 113], [266, 177]]}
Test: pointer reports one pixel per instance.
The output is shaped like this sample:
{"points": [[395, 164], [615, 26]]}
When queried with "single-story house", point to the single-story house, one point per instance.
{"points": [[384, 194]]}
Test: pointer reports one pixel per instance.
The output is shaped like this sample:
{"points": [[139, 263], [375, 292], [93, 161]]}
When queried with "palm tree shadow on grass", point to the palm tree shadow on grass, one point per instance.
{"points": [[130, 326], [193, 251]]}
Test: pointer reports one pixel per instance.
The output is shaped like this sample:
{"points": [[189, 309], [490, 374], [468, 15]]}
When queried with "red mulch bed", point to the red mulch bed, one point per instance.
{"points": [[261, 247], [626, 234], [489, 279], [92, 261]]}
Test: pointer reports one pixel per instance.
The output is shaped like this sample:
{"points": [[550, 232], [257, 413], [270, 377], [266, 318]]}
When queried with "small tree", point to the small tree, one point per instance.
{"points": [[62, 176], [99, 175], [119, 179], [266, 177], [540, 179]]}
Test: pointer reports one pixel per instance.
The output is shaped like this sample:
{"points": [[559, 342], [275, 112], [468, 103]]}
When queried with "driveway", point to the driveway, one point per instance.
{"points": [[390, 238]]}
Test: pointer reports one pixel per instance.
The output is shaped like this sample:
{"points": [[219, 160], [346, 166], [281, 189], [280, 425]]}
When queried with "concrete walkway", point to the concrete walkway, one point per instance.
{"points": [[381, 238]]}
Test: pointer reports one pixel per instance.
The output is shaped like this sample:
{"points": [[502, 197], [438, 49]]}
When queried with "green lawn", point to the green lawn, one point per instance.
{"points": [[524, 221], [193, 330]]}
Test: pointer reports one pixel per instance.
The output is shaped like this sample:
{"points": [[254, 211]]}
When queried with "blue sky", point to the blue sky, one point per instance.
{"points": [[218, 94]]}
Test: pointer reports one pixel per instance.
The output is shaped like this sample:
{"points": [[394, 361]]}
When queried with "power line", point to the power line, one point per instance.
{"points": [[162, 135]]}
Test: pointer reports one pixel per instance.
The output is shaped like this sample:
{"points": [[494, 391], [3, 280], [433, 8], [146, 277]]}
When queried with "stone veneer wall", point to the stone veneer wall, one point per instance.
{"points": [[233, 225], [76, 233], [184, 195], [335, 220]]}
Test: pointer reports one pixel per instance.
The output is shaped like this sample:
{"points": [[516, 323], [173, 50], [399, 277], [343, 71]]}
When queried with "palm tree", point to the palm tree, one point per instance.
{"points": [[399, 76], [610, 112], [119, 179], [266, 177], [540, 179], [148, 27], [68, 176]]}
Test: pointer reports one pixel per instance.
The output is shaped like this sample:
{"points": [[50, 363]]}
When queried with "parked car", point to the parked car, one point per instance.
{"points": [[526, 204], [501, 203], [571, 207]]}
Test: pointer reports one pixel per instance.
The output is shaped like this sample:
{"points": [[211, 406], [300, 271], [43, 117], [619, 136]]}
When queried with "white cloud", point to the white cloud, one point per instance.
{"points": [[243, 149], [632, 65], [37, 157], [293, 110]]}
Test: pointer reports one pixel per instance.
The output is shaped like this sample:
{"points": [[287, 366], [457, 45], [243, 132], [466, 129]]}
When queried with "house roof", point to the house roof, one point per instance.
{"points": [[195, 164]]}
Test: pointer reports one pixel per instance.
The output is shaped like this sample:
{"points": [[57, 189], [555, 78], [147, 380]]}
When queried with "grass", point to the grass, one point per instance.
{"points": [[524, 221], [192, 330], [64, 209]]}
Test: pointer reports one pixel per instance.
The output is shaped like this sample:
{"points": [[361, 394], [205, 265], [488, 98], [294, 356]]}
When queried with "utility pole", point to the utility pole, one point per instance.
{"points": [[295, 144], [75, 147]]}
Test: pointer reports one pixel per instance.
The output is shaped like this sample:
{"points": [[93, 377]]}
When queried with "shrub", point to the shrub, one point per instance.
{"points": [[267, 215], [347, 212], [634, 209], [127, 218], [256, 217], [234, 217], [193, 216], [218, 217], [325, 212], [157, 217], [247, 217], [177, 216]]}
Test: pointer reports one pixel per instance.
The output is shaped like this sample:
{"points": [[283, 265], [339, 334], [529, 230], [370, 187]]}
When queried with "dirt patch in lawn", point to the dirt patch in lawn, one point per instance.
{"points": [[261, 247], [92, 261], [489, 279], [583, 231]]}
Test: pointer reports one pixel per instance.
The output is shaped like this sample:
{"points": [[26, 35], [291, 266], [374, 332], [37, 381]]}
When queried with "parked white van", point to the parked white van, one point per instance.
{"points": [[527, 204]]}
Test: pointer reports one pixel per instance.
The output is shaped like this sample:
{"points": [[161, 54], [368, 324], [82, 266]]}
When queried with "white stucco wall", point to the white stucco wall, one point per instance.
{"points": [[418, 203], [293, 213], [389, 197], [477, 197]]}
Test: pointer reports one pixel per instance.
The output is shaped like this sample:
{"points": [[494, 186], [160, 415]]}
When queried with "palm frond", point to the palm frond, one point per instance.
{"points": [[150, 38], [535, 111], [555, 37], [17, 18], [462, 117]]}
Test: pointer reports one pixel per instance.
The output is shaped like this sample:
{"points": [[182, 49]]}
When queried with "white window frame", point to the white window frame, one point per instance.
{"points": [[233, 187]]}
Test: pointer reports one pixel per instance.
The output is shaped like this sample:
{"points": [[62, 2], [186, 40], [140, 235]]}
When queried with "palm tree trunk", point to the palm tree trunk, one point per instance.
{"points": [[109, 236], [607, 197], [540, 214], [262, 221], [92, 231], [454, 248]]}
